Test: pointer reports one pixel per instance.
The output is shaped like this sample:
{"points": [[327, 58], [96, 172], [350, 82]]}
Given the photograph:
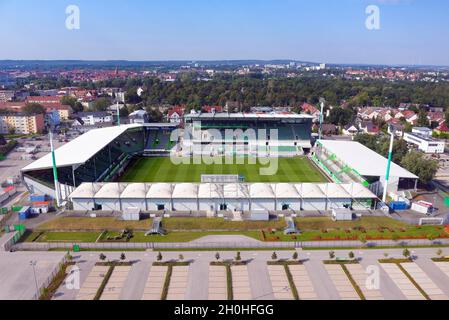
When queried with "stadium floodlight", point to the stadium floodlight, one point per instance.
{"points": [[55, 170], [322, 102], [118, 113], [390, 156]]}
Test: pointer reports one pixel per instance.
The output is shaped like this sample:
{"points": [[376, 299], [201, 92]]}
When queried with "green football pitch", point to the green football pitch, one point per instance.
{"points": [[298, 169]]}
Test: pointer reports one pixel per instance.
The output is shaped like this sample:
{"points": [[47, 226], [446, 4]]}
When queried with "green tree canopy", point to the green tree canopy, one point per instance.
{"points": [[424, 168]]}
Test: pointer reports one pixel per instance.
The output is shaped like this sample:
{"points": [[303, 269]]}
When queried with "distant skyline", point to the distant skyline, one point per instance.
{"points": [[412, 32]]}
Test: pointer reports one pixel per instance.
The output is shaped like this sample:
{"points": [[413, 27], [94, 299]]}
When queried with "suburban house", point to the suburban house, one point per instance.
{"points": [[350, 130], [175, 115], [369, 128], [139, 116], [312, 110]]}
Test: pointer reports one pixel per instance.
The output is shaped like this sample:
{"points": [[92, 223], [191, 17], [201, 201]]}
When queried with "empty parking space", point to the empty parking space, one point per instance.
{"points": [[402, 282], [303, 284], [342, 283], [115, 283], [178, 283], [155, 283], [360, 276], [240, 283], [444, 266], [279, 282], [217, 283], [92, 283], [424, 281]]}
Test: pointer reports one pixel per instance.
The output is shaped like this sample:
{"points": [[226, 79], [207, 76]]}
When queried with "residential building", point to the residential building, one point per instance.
{"points": [[350, 130], [93, 118], [21, 123], [139, 116], [51, 103], [175, 115], [312, 110], [7, 95], [369, 128], [425, 143], [422, 131]]}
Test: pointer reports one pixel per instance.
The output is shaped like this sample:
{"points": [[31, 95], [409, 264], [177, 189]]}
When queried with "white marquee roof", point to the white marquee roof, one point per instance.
{"points": [[285, 191], [110, 191], [135, 191], [185, 191], [364, 160], [81, 149], [160, 191]]}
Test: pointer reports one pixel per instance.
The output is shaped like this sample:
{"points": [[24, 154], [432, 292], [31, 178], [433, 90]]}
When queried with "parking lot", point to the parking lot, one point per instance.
{"points": [[257, 281]]}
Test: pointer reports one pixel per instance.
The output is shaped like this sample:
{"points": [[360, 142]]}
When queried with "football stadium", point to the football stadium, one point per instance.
{"points": [[154, 166]]}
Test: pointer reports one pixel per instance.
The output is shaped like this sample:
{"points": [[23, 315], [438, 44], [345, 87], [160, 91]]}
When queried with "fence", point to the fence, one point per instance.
{"points": [[227, 245], [49, 279]]}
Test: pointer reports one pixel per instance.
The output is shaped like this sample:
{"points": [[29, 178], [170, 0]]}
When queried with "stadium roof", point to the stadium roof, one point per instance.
{"points": [[367, 162], [116, 190], [81, 149], [249, 116]]}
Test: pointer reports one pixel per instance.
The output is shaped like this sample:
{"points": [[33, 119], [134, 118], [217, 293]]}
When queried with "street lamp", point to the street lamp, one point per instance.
{"points": [[33, 265], [322, 102]]}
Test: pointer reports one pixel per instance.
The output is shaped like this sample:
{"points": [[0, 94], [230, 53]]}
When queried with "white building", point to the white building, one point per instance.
{"points": [[425, 143], [92, 118], [423, 131]]}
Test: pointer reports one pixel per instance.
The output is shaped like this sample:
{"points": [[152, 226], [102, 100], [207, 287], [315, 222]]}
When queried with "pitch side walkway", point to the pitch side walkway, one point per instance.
{"points": [[400, 279], [303, 284], [424, 281], [115, 283], [92, 284], [217, 283], [178, 283], [341, 281], [155, 283], [240, 283]]}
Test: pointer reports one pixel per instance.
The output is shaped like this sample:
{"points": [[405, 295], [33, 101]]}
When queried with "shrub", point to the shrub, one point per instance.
{"points": [[102, 256], [274, 256], [217, 256], [122, 257], [238, 257], [331, 254], [295, 256], [351, 255], [159, 256]]}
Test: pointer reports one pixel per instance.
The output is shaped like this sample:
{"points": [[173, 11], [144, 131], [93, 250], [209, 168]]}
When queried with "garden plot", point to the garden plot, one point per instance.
{"points": [[341, 281], [240, 283], [423, 280], [155, 283], [115, 283], [279, 282], [93, 282], [178, 283], [360, 277], [402, 282], [303, 283], [218, 283]]}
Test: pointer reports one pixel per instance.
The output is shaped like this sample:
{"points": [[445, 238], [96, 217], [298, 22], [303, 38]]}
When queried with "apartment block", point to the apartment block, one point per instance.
{"points": [[21, 123]]}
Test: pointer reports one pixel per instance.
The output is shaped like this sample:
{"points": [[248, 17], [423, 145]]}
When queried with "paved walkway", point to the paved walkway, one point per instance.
{"points": [[424, 281], [304, 285], [115, 283], [404, 284], [444, 266], [279, 282], [341, 281], [217, 283], [92, 283], [240, 283], [155, 283], [178, 283], [360, 277]]}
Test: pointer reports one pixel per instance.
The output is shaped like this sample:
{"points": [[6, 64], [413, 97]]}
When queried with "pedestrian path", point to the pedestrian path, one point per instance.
{"points": [[342, 283], [178, 283], [402, 282], [217, 283], [279, 282], [241, 288], [155, 283], [303, 283], [444, 266], [360, 276], [423, 280], [115, 283], [92, 283]]}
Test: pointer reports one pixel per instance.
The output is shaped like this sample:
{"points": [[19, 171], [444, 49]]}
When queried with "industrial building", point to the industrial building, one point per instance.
{"points": [[349, 161], [425, 143], [212, 197]]}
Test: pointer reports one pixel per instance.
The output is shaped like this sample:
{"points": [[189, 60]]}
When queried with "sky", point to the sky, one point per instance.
{"points": [[413, 32]]}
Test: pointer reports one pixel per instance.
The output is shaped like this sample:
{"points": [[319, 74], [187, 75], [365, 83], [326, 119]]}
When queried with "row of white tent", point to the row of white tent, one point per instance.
{"points": [[215, 197]]}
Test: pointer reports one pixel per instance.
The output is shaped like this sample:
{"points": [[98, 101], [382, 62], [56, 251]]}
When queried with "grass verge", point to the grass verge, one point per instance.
{"points": [[291, 282], [413, 281], [50, 290], [167, 282], [104, 283], [353, 282]]}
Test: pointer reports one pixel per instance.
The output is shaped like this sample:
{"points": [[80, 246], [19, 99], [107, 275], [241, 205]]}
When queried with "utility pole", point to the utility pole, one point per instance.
{"points": [[33, 264], [390, 156], [55, 170], [118, 113], [320, 133]]}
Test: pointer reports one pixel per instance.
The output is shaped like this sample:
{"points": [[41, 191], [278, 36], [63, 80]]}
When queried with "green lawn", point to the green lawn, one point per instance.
{"points": [[298, 169]]}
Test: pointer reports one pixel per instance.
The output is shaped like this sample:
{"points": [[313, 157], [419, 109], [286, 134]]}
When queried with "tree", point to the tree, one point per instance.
{"points": [[181, 257], [159, 257], [154, 114], [425, 169], [331, 254], [439, 252], [33, 108], [102, 256], [351, 255], [422, 118], [123, 257], [101, 104], [406, 253], [2, 140], [341, 117], [386, 254], [69, 101], [238, 256], [295, 256], [274, 256], [217, 256], [78, 107]]}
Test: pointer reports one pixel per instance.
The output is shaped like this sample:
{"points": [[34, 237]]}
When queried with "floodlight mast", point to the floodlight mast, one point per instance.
{"points": [[55, 170], [390, 156], [118, 114], [320, 133]]}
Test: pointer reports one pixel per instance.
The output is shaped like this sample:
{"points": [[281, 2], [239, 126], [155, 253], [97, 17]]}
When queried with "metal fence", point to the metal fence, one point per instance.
{"points": [[49, 279], [226, 245]]}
